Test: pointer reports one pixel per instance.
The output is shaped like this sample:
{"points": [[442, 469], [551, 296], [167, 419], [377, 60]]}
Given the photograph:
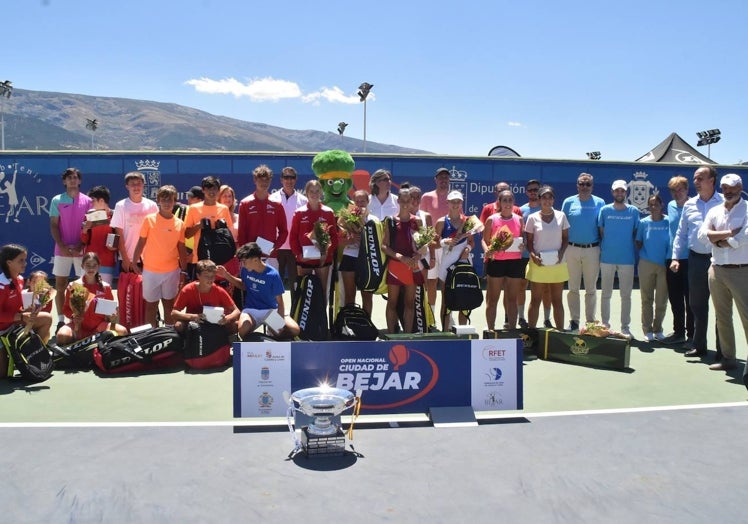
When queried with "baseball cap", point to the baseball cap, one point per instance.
{"points": [[440, 171], [196, 192], [619, 184], [731, 180], [455, 195]]}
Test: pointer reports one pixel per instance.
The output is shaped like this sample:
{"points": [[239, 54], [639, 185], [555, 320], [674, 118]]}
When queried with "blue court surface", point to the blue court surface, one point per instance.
{"points": [[680, 464]]}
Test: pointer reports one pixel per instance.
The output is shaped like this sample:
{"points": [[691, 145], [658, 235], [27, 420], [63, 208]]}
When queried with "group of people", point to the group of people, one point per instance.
{"points": [[686, 249]]}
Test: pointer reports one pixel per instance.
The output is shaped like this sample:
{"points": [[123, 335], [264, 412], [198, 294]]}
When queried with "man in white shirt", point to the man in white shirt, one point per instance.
{"points": [[725, 227], [687, 244], [291, 200]]}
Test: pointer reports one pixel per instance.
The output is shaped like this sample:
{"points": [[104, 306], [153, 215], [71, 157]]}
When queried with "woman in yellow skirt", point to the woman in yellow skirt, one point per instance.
{"points": [[547, 233]]}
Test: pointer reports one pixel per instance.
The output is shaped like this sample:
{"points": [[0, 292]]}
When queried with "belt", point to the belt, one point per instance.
{"points": [[594, 244], [731, 266], [696, 254]]}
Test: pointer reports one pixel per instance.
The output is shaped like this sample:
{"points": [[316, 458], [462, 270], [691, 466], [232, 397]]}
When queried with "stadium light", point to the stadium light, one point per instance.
{"points": [[707, 138], [594, 155], [363, 93], [6, 89]]}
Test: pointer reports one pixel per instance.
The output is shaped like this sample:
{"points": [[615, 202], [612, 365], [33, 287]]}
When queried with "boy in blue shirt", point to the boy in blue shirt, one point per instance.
{"points": [[264, 292]]}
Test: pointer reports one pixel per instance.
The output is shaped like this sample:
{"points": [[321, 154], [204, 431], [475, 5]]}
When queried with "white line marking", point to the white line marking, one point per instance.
{"points": [[281, 421]]}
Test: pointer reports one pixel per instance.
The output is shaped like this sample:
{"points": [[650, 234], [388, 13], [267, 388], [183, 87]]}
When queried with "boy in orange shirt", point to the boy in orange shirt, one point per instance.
{"points": [[161, 245]]}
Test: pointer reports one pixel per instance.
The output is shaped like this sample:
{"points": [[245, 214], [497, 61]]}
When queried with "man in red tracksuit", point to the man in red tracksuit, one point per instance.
{"points": [[262, 219]]}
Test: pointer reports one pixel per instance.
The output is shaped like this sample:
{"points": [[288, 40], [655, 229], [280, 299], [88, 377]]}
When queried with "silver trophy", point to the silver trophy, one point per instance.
{"points": [[322, 436]]}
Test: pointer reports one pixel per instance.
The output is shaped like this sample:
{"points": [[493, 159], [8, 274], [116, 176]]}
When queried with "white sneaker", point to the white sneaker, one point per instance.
{"points": [[626, 332], [649, 336], [659, 336]]}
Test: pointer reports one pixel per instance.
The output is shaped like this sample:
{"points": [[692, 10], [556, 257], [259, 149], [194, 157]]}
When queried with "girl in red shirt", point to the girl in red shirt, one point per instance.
{"points": [[12, 265], [302, 226], [89, 322]]}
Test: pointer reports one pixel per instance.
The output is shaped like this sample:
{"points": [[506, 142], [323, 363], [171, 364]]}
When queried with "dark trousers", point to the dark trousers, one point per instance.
{"points": [[287, 266], [680, 303], [698, 288]]}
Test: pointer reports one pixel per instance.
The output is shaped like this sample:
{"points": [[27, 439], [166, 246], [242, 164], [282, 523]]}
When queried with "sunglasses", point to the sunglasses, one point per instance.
{"points": [[288, 177], [584, 184], [532, 189]]}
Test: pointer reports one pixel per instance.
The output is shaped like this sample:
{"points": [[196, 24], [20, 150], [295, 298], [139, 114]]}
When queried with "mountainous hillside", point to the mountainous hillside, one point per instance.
{"points": [[41, 120]]}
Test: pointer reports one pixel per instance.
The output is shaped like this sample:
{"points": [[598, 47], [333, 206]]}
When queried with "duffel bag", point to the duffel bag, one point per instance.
{"points": [[156, 348], [206, 346], [78, 355]]}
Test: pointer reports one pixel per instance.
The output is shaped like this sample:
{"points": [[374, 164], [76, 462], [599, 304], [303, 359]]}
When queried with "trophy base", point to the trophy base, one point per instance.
{"points": [[323, 445]]}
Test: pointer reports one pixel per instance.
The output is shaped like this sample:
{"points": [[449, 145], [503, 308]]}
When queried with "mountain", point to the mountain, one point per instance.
{"points": [[41, 120]]}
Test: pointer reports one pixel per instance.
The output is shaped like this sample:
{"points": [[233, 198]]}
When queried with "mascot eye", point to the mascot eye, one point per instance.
{"points": [[330, 182]]}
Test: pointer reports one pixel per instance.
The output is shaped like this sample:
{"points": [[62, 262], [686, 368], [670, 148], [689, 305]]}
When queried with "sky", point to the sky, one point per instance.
{"points": [[548, 79]]}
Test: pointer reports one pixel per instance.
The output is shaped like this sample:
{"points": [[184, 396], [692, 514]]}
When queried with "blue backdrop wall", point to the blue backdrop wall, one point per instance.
{"points": [[29, 180]]}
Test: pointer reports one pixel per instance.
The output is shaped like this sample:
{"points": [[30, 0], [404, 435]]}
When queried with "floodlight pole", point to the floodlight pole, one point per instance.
{"points": [[364, 126]]}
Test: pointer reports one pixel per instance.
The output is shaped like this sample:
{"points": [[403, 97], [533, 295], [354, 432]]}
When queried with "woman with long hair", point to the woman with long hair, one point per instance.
{"points": [[403, 269], [12, 265], [547, 237], [87, 322]]}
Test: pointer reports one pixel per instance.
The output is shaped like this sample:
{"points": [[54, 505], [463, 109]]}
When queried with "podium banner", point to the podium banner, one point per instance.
{"points": [[395, 376]]}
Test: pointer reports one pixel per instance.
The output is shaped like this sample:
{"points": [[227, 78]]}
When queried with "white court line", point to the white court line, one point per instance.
{"points": [[281, 421]]}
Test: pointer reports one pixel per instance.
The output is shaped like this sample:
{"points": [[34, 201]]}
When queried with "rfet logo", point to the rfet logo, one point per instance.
{"points": [[405, 370]]}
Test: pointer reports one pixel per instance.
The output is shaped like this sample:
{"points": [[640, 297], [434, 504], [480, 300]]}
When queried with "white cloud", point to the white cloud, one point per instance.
{"points": [[271, 89], [261, 90], [514, 124], [331, 94]]}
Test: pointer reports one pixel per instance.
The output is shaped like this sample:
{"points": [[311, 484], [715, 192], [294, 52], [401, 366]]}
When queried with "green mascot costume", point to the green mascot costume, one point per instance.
{"points": [[334, 168]]}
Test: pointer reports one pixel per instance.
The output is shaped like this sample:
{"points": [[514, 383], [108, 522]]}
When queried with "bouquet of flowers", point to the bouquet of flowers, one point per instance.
{"points": [[471, 226], [78, 301], [423, 238], [502, 241], [320, 235], [42, 293], [351, 219], [596, 329]]}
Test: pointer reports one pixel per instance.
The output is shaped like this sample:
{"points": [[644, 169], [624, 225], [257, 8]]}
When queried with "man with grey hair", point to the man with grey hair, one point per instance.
{"points": [[725, 228]]}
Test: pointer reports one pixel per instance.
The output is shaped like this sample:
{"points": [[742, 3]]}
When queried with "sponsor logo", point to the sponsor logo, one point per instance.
{"points": [[579, 347], [493, 400], [373, 249], [494, 353], [306, 305], [265, 400], [13, 205], [405, 369], [265, 373], [494, 374]]}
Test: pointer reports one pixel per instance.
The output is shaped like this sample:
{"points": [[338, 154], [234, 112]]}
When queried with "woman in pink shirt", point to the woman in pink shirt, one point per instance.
{"points": [[504, 268]]}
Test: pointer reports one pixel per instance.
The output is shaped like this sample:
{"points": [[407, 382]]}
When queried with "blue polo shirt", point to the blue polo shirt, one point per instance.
{"points": [[619, 227], [582, 217], [527, 210], [655, 239]]}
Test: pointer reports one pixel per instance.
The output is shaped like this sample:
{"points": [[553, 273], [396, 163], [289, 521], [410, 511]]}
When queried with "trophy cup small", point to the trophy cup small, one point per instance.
{"points": [[322, 436]]}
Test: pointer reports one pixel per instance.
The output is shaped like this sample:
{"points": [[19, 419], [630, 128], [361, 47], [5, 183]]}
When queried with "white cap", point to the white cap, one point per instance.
{"points": [[619, 184], [731, 180], [455, 195]]}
